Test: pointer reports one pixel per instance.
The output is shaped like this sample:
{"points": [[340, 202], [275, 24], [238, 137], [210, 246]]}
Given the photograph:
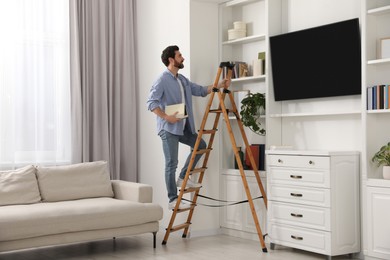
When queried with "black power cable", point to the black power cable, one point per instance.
{"points": [[230, 203]]}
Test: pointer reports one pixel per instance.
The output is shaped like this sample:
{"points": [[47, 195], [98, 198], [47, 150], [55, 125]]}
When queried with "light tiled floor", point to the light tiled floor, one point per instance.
{"points": [[140, 247]]}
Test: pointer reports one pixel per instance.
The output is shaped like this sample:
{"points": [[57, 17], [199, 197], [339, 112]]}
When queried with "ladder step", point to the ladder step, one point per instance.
{"points": [[211, 131], [202, 151], [198, 170], [189, 190], [215, 110], [219, 110], [181, 226], [187, 209]]}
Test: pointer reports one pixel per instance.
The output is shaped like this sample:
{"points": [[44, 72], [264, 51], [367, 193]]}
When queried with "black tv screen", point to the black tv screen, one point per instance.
{"points": [[323, 61]]}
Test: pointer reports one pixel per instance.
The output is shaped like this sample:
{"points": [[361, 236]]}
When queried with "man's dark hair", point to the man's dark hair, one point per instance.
{"points": [[168, 52]]}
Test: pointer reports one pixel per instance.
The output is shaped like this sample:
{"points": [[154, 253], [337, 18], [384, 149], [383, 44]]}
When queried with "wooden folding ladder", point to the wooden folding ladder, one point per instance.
{"points": [[220, 110]]}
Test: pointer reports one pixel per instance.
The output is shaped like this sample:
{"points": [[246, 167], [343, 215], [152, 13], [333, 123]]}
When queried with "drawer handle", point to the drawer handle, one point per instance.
{"points": [[296, 176], [296, 194], [311, 162], [296, 238], [280, 161], [297, 215]]}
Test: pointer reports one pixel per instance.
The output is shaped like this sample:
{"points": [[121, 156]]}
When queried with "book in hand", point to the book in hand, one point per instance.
{"points": [[180, 108]]}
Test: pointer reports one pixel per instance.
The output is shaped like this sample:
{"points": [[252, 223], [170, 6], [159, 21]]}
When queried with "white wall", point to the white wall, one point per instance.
{"points": [[204, 66], [161, 23], [341, 132]]}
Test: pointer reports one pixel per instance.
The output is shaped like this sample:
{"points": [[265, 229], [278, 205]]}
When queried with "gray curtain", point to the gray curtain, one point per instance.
{"points": [[103, 84]]}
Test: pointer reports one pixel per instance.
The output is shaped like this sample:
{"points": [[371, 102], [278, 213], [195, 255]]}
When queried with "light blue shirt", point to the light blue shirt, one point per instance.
{"points": [[166, 91]]}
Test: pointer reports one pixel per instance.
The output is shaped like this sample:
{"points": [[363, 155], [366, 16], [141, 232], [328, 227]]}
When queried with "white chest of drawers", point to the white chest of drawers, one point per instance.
{"points": [[313, 201]]}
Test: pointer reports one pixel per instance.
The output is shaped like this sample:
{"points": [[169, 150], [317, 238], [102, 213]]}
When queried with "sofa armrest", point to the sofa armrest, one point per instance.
{"points": [[137, 192]]}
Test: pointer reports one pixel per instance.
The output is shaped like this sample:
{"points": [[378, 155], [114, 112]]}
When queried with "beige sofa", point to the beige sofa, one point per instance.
{"points": [[41, 206]]}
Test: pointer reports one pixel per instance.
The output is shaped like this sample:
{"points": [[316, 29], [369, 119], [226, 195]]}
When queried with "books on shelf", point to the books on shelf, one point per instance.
{"points": [[180, 108], [240, 70], [378, 97], [258, 152]]}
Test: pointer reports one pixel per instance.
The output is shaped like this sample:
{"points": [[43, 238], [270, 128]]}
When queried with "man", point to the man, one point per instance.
{"points": [[173, 88]]}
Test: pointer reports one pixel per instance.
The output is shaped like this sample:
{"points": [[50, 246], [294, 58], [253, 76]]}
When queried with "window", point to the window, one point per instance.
{"points": [[34, 83]]}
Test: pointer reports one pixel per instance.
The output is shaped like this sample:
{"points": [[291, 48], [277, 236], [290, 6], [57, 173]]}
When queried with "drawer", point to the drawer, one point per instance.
{"points": [[307, 162], [303, 216], [302, 238], [297, 176], [301, 195]]}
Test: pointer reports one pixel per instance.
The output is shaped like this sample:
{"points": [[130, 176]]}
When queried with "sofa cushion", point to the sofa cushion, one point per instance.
{"points": [[34, 220], [19, 186], [76, 181]]}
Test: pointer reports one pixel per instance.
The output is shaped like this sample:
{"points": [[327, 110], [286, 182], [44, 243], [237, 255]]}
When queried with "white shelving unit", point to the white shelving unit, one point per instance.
{"points": [[237, 220], [376, 190], [321, 124], [307, 124], [245, 49], [339, 123]]}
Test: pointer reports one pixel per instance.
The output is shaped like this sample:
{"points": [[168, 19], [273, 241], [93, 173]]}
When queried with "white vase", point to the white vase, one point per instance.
{"points": [[386, 172]]}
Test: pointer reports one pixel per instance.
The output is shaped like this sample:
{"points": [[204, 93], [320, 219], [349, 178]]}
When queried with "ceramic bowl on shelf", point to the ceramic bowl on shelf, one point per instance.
{"points": [[240, 25], [236, 34], [238, 31]]}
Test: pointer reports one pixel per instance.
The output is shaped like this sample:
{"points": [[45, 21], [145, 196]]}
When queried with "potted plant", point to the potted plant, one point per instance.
{"points": [[252, 107], [382, 157]]}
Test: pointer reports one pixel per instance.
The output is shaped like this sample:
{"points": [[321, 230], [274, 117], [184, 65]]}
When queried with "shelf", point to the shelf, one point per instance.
{"points": [[239, 2], [335, 113], [248, 173], [250, 78], [247, 39], [378, 183], [235, 118], [379, 11], [311, 152], [378, 111], [378, 61]]}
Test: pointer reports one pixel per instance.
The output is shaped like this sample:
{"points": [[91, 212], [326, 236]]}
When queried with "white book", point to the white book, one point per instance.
{"points": [[180, 108]]}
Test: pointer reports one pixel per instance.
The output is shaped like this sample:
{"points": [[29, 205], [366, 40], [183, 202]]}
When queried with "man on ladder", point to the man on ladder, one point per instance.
{"points": [[199, 149], [169, 89]]}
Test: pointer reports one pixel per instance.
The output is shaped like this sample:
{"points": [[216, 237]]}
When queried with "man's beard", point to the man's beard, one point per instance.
{"points": [[179, 65]]}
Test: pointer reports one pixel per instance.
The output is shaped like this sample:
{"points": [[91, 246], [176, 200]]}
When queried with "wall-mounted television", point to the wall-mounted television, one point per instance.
{"points": [[323, 61]]}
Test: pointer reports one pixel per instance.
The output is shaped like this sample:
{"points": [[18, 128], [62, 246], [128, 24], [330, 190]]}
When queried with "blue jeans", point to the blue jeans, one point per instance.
{"points": [[170, 144]]}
